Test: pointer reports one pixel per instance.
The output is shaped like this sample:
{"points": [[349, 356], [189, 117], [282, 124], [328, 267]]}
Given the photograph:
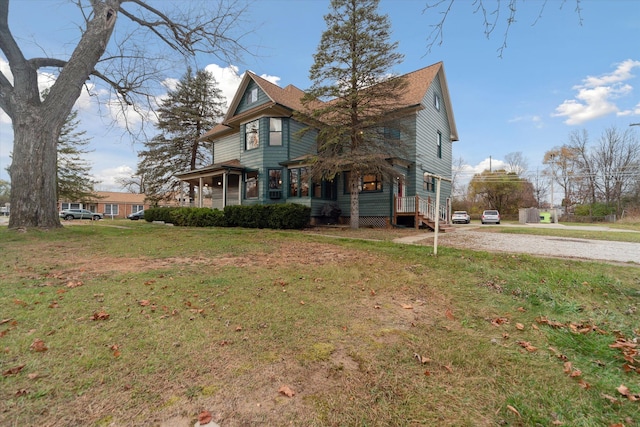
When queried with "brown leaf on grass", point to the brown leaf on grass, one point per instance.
{"points": [[520, 326], [19, 302], [377, 307], [13, 371], [116, 350], [38, 346], [144, 302], [611, 399], [204, 417], [514, 410], [286, 390], [407, 306], [373, 292], [421, 359], [3, 333], [522, 309], [449, 368], [100, 315], [34, 375], [22, 392], [558, 354], [449, 314], [3, 321], [74, 284], [567, 367], [54, 304], [238, 328], [527, 346], [499, 321], [585, 385]]}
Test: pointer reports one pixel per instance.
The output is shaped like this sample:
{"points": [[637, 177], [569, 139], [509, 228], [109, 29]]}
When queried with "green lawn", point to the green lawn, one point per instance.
{"points": [[146, 324]]}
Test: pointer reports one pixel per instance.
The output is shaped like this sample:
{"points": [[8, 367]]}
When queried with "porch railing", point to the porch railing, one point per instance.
{"points": [[426, 208]]}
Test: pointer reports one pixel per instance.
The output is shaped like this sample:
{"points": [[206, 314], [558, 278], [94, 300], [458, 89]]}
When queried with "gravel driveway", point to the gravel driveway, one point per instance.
{"points": [[600, 250]]}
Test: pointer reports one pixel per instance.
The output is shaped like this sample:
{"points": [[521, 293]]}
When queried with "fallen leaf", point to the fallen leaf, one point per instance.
{"points": [[514, 410], [3, 321], [421, 359], [520, 326], [22, 392], [527, 346], [238, 328], [33, 375], [407, 306], [144, 302], [13, 371], [567, 367], [373, 292], [100, 315], [623, 390], [204, 417], [448, 368], [522, 309], [286, 390], [499, 321], [611, 399], [449, 314], [74, 284], [38, 346]]}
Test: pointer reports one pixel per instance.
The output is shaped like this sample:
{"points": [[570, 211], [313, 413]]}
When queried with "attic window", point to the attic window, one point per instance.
{"points": [[436, 101], [252, 96]]}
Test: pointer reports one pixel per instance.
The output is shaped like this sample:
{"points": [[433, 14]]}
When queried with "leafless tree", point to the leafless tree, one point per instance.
{"points": [[517, 163], [122, 62], [496, 14]]}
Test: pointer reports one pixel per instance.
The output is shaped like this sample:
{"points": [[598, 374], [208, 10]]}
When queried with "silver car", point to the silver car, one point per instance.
{"points": [[490, 216], [70, 214]]}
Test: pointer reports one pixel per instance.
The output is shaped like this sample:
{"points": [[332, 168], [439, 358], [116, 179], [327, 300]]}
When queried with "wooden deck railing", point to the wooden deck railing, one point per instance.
{"points": [[426, 209]]}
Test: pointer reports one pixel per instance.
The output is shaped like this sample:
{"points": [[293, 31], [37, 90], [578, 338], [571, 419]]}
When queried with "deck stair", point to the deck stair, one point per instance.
{"points": [[423, 212]]}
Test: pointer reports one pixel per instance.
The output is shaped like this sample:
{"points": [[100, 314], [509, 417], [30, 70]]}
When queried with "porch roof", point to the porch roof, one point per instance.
{"points": [[214, 169]]}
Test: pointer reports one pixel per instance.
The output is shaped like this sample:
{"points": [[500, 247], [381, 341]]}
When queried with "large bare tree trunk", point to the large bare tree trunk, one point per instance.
{"points": [[355, 200], [33, 173]]}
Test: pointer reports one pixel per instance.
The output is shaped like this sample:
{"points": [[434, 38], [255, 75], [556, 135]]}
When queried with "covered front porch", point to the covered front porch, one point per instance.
{"points": [[215, 186]]}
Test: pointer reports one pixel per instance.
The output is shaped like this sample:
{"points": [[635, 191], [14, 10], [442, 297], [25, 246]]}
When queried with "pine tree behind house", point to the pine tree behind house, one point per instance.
{"points": [[187, 112]]}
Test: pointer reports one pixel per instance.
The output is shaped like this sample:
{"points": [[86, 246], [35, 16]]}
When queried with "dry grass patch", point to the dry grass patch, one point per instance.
{"points": [[153, 331]]}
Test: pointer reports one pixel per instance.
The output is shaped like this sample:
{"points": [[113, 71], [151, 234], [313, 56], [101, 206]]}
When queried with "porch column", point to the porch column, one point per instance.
{"points": [[224, 189], [200, 192]]}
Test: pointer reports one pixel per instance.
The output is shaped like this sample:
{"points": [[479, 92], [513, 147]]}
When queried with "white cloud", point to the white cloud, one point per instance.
{"points": [[596, 95], [534, 119], [107, 177]]}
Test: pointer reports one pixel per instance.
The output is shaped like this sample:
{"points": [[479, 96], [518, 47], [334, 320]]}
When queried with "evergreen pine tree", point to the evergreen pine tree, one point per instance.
{"points": [[352, 73], [74, 172], [188, 111]]}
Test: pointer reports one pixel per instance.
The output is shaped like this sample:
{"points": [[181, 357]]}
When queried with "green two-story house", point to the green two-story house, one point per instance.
{"points": [[261, 156]]}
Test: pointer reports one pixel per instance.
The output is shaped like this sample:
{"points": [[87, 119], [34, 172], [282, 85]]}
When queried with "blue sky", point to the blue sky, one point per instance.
{"points": [[567, 72]]}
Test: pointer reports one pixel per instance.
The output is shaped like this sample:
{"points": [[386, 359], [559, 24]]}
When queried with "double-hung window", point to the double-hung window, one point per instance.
{"points": [[252, 135], [275, 131], [251, 185], [299, 182], [369, 183], [111, 209], [439, 144]]}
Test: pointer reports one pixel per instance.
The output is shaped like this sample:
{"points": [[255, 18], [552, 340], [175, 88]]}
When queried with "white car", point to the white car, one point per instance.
{"points": [[461, 217], [490, 216]]}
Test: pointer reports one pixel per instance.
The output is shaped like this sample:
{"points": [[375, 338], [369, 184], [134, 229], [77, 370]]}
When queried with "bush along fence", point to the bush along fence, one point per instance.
{"points": [[281, 216]]}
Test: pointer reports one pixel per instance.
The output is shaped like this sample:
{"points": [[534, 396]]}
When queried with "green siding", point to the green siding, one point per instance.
{"points": [[226, 148], [244, 105]]}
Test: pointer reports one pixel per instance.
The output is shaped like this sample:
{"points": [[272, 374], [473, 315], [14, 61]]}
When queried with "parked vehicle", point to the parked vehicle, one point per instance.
{"points": [[136, 215], [70, 214], [461, 217], [490, 216]]}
